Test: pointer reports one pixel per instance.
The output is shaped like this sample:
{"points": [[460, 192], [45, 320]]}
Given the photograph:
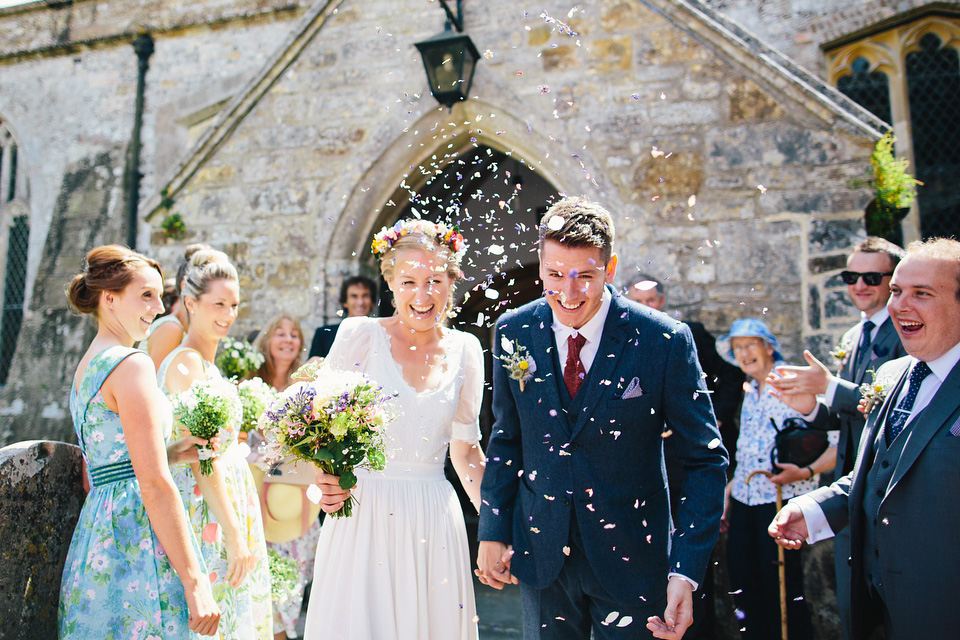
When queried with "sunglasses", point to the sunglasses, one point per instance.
{"points": [[870, 278]]}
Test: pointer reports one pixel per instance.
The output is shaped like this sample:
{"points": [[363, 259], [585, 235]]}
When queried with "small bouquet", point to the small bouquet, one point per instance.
{"points": [[207, 409], [334, 421], [283, 575], [255, 396], [238, 359]]}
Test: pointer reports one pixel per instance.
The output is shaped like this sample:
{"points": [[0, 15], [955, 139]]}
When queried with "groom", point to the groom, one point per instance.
{"points": [[575, 500]]}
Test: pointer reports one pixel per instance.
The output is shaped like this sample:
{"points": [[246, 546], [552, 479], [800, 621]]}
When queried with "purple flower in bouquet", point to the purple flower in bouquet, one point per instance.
{"points": [[333, 420]]}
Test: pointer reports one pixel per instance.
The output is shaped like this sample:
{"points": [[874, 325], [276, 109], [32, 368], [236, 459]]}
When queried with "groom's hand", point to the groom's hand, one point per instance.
{"points": [[493, 564], [678, 616]]}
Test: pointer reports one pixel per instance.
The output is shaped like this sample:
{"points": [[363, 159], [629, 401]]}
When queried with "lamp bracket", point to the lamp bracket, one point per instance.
{"points": [[456, 20]]}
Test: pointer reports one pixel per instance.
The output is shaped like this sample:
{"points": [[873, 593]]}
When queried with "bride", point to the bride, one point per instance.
{"points": [[399, 567]]}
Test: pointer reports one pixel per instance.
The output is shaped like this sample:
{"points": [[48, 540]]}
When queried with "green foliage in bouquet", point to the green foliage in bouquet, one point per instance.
{"points": [[283, 575], [238, 359], [255, 396], [206, 408]]}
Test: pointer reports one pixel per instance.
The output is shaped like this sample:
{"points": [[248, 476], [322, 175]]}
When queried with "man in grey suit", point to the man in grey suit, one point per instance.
{"points": [[899, 499], [862, 350]]}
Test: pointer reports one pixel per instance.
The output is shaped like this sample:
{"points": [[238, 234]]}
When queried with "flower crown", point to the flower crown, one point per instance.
{"points": [[447, 236]]}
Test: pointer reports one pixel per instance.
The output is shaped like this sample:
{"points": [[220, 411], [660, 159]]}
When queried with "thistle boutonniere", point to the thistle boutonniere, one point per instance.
{"points": [[873, 392], [518, 364]]}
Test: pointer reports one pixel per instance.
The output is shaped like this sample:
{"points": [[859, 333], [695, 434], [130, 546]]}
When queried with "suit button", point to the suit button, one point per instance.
{"points": [[885, 464], [566, 502]]}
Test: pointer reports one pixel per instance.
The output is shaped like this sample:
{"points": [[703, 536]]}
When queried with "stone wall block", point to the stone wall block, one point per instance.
{"points": [[837, 304], [822, 264], [813, 307], [828, 236], [41, 494], [747, 101], [609, 54]]}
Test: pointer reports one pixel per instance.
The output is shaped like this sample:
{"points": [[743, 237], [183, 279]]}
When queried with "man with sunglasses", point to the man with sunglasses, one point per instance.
{"points": [[865, 347]]}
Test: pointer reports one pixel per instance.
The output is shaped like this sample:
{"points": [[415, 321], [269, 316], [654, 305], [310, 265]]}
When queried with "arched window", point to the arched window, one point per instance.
{"points": [[14, 242], [933, 88], [871, 90]]}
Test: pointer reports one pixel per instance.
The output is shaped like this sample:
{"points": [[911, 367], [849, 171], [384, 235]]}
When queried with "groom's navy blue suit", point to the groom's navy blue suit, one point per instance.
{"points": [[598, 457]]}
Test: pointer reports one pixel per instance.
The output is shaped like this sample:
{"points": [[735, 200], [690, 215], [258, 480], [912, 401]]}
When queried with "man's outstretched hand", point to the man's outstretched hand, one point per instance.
{"points": [[678, 616]]}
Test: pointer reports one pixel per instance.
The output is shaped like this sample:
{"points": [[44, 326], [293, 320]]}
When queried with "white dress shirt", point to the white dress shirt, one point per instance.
{"points": [[817, 526], [591, 331]]}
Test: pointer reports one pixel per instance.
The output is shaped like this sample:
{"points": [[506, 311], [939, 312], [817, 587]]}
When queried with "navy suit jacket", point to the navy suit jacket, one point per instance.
{"points": [[918, 518], [604, 461]]}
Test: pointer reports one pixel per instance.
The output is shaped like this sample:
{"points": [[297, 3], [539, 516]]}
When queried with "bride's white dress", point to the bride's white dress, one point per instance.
{"points": [[399, 568]]}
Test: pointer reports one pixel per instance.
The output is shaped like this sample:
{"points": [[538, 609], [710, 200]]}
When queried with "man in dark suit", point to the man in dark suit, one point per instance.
{"points": [[899, 499], [357, 294], [862, 350], [575, 477]]}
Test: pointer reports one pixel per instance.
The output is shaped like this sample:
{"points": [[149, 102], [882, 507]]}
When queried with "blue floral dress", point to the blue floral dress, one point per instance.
{"points": [[117, 581], [247, 612]]}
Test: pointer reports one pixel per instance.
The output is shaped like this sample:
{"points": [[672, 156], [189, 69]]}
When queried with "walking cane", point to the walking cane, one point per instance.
{"points": [[780, 565]]}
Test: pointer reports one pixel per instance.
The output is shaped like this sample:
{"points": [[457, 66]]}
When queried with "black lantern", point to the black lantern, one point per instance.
{"points": [[449, 59]]}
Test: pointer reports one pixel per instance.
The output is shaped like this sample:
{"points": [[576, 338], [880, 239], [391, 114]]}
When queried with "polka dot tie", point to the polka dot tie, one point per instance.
{"points": [[866, 337], [898, 417], [573, 372]]}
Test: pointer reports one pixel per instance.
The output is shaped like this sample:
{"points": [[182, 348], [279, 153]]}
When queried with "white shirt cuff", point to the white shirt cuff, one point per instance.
{"points": [[810, 417], [817, 526], [830, 392], [683, 577]]}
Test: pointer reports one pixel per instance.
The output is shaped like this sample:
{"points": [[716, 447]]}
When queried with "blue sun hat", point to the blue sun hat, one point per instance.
{"points": [[746, 328]]}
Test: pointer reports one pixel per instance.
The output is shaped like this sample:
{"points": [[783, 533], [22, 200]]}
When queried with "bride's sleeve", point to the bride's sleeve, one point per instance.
{"points": [[351, 346], [466, 421]]}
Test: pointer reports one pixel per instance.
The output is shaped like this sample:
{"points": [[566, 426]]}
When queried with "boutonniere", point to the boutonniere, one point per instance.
{"points": [[873, 392], [518, 364], [839, 353]]}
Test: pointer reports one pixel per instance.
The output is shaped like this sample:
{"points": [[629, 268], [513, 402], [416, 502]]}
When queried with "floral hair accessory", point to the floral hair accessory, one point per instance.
{"points": [[518, 364], [447, 236]]}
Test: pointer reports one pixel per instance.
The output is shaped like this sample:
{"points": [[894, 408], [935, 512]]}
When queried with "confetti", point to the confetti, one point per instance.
{"points": [[713, 444], [314, 493]]}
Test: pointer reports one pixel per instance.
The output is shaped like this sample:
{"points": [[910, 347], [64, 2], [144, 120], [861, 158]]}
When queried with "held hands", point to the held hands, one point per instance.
{"points": [[789, 528], [204, 614], [678, 616], [493, 564], [332, 497]]}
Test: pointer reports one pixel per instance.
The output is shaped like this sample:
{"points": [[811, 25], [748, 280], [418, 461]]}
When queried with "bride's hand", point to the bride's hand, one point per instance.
{"points": [[332, 497]]}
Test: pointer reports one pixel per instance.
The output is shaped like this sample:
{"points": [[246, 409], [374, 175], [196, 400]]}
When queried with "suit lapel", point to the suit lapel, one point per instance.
{"points": [[612, 342], [924, 426], [886, 335], [543, 351], [849, 371]]}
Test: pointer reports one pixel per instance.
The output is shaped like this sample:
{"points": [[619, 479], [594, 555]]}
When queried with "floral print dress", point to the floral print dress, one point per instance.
{"points": [[246, 610], [117, 581]]}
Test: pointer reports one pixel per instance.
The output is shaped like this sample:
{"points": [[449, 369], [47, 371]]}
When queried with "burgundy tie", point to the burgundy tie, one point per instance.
{"points": [[574, 372]]}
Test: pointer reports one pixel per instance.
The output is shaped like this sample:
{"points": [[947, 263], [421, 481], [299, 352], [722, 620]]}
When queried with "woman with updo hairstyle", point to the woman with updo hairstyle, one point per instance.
{"points": [[223, 507], [133, 541], [399, 567], [167, 332]]}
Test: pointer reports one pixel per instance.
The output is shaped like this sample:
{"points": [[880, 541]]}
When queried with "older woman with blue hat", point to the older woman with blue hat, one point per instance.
{"points": [[749, 507]]}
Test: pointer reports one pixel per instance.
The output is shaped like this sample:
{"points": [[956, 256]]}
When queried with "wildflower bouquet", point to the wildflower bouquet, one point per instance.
{"points": [[283, 575], [255, 396], [210, 407], [334, 421], [237, 358]]}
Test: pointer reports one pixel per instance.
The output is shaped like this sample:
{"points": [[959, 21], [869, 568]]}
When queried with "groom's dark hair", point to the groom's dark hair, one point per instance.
{"points": [[585, 224]]}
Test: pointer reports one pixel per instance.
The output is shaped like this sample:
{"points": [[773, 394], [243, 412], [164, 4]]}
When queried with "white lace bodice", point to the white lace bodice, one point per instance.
{"points": [[426, 421]]}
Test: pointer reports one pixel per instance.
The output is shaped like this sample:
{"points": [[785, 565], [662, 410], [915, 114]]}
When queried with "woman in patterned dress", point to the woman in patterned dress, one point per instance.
{"points": [[749, 508], [133, 568], [223, 506]]}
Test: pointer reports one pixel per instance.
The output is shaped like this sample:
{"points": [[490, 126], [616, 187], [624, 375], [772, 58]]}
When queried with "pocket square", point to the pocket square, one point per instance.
{"points": [[955, 429], [633, 389]]}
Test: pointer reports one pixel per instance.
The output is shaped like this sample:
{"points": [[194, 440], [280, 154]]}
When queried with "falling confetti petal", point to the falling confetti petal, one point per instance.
{"points": [[713, 444], [613, 615], [624, 621], [555, 223], [314, 494]]}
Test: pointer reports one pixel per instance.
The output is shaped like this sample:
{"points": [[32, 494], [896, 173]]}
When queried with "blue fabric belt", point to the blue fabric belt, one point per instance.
{"points": [[110, 473]]}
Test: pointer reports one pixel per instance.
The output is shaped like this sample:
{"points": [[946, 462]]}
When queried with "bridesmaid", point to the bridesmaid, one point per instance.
{"points": [[133, 541], [223, 506], [281, 343]]}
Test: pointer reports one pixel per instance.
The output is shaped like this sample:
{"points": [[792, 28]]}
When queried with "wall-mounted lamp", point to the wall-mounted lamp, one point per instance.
{"points": [[449, 59]]}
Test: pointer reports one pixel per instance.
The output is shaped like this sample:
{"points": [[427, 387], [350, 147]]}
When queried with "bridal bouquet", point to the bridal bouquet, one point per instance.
{"points": [[255, 396], [333, 420], [237, 358], [207, 409]]}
